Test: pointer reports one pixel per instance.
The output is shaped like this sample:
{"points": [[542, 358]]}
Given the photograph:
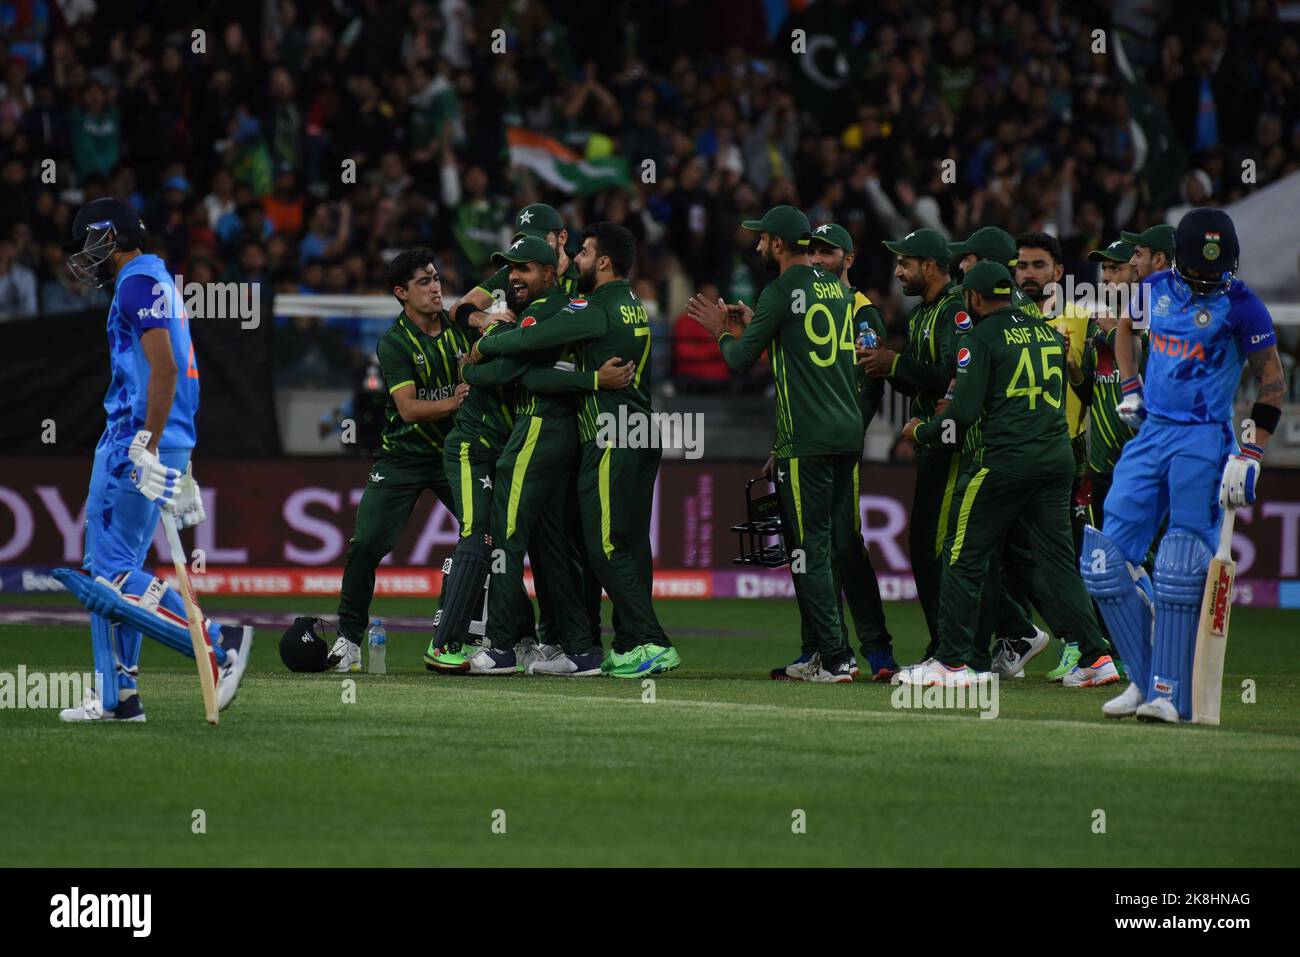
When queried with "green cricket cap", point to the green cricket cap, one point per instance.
{"points": [[1159, 238], [921, 243], [991, 243], [526, 249], [784, 221], [1117, 252], [989, 278], [833, 234], [538, 219]]}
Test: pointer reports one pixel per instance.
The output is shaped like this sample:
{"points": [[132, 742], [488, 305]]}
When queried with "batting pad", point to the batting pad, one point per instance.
{"points": [[1181, 564], [464, 573], [142, 602], [1124, 603]]}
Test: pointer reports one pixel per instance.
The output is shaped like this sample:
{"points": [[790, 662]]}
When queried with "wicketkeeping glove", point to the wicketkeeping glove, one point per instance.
{"points": [[1240, 477], [187, 506], [154, 480], [1132, 410]]}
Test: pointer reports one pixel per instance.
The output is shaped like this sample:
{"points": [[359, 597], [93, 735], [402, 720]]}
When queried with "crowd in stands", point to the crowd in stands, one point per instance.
{"points": [[235, 142]]}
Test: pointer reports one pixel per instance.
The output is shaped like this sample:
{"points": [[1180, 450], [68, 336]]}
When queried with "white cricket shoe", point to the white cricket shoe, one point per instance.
{"points": [[1124, 705], [1014, 653], [238, 642], [818, 669], [92, 709], [1158, 709], [934, 672], [568, 666], [346, 655], [528, 650], [1102, 672]]}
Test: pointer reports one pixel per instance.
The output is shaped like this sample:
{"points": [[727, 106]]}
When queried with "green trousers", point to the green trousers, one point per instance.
{"points": [[936, 479], [861, 588], [530, 485], [394, 486], [1034, 515], [470, 466], [615, 494], [819, 511]]}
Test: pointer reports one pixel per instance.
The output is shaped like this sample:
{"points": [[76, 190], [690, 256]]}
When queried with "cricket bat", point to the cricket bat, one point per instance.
{"points": [[204, 657], [1212, 630]]}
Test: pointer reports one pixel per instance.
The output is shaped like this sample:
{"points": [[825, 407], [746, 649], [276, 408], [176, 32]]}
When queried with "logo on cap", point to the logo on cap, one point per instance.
{"points": [[963, 321], [963, 357]]}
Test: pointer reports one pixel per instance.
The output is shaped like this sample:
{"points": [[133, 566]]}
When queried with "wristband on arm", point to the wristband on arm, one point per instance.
{"points": [[1265, 417]]}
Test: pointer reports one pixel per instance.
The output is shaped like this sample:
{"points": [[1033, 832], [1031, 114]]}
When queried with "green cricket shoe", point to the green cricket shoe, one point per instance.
{"points": [[449, 659], [647, 659], [1069, 658]]}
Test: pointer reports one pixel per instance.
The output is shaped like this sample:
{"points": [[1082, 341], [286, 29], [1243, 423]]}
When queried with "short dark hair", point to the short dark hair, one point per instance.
{"points": [[1041, 241], [616, 242], [403, 267]]}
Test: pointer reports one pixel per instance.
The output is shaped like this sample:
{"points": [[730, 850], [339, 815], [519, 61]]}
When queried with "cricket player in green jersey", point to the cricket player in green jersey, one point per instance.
{"points": [[804, 317], [831, 250], [532, 457], [923, 371], [418, 357], [1010, 372], [617, 432], [536, 219]]}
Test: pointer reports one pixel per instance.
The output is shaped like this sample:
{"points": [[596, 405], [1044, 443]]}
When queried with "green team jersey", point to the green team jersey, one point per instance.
{"points": [[870, 389], [408, 357], [1100, 390], [610, 321], [487, 415], [925, 366], [1010, 372], [805, 317]]}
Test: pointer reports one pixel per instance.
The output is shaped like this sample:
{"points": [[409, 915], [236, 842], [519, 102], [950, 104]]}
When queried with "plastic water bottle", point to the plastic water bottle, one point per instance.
{"points": [[867, 337], [378, 642]]}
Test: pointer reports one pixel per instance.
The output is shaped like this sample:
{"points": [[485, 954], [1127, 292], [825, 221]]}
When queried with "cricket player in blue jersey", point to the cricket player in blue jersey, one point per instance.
{"points": [[1184, 463], [141, 465]]}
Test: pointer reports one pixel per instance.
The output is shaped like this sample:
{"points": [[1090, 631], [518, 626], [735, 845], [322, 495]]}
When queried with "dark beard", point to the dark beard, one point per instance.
{"points": [[1038, 295], [586, 281], [514, 300], [770, 264]]}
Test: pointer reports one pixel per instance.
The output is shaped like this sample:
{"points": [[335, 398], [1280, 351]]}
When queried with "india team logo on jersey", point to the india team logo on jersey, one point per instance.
{"points": [[963, 357], [577, 304], [963, 321]]}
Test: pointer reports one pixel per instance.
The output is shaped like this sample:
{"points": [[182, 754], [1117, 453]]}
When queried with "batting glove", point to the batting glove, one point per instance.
{"points": [[1240, 478], [1132, 410], [187, 506], [154, 480]]}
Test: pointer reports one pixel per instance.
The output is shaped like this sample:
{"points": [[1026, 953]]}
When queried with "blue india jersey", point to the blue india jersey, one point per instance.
{"points": [[145, 297], [1197, 345]]}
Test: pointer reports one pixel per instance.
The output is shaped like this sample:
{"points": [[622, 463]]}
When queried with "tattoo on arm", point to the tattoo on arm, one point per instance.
{"points": [[1267, 369]]}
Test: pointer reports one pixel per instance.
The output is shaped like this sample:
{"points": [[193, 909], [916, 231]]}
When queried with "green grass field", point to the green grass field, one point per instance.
{"points": [[588, 773]]}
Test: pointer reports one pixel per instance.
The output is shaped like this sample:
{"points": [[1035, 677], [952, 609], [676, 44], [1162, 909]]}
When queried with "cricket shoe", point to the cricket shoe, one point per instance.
{"points": [[1100, 672], [92, 709], [882, 666], [1069, 658], [1158, 709], [493, 661], [833, 672], [449, 659], [795, 670], [237, 640], [584, 664], [646, 659], [1126, 704], [1014, 653], [934, 672], [528, 650], [344, 656]]}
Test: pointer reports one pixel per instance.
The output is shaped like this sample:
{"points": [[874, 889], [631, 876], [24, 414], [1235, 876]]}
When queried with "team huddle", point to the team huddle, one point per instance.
{"points": [[1072, 462]]}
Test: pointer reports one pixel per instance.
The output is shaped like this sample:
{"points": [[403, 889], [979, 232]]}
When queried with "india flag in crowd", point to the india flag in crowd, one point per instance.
{"points": [[556, 164]]}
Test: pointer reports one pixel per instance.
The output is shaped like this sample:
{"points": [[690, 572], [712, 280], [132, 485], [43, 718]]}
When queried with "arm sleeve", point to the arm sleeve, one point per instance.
{"points": [[498, 280], [1089, 365], [137, 300], [396, 366], [566, 326], [968, 397], [550, 379], [911, 375], [494, 373], [741, 354], [870, 390], [1251, 323]]}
